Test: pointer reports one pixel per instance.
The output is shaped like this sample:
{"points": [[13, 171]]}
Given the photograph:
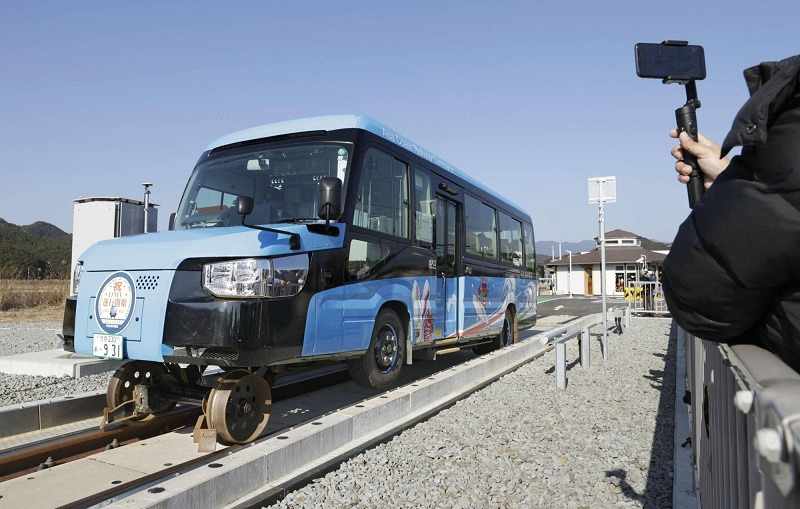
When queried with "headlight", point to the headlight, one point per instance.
{"points": [[76, 277], [276, 277]]}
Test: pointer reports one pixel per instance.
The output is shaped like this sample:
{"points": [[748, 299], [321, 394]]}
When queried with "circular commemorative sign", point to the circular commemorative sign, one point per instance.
{"points": [[115, 303]]}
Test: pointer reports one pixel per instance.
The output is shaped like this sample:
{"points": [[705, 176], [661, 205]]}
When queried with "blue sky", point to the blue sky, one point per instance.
{"points": [[532, 98]]}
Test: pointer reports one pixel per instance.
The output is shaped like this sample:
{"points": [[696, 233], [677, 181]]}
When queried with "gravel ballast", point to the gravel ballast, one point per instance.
{"points": [[607, 440], [16, 338]]}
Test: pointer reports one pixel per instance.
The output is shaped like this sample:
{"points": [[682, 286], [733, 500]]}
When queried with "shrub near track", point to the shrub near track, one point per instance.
{"points": [[32, 293]]}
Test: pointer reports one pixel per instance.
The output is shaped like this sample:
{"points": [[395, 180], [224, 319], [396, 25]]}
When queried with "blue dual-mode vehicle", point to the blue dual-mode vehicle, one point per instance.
{"points": [[323, 239]]}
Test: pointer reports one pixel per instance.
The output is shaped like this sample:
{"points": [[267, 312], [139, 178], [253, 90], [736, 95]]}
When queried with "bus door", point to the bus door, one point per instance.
{"points": [[446, 292]]}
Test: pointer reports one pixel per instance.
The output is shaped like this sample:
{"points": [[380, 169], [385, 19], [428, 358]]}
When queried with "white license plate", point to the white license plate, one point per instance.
{"points": [[107, 346]]}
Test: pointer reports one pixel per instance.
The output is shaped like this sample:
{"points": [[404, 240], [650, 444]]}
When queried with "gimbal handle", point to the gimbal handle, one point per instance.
{"points": [[686, 118]]}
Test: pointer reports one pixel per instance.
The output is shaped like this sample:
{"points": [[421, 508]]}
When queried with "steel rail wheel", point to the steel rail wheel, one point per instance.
{"points": [[127, 377], [238, 407]]}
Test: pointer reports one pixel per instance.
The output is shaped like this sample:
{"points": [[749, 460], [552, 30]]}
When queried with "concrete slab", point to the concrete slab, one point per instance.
{"points": [[60, 485], [18, 420], [72, 408], [50, 413], [139, 456], [553, 320], [56, 363]]}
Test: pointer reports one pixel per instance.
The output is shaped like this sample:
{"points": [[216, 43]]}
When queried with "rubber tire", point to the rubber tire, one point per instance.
{"points": [[497, 343], [509, 322], [364, 370]]}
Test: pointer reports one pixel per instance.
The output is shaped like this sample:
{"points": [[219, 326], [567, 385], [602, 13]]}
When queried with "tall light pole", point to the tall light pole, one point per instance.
{"points": [[602, 190], [146, 204], [569, 274]]}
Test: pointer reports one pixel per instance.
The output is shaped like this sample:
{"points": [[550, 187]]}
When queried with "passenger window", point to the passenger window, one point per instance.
{"points": [[364, 258], [424, 209], [530, 250], [382, 201], [510, 240], [481, 229]]}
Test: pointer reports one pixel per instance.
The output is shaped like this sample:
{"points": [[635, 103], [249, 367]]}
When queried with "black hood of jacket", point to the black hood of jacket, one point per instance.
{"points": [[772, 85]]}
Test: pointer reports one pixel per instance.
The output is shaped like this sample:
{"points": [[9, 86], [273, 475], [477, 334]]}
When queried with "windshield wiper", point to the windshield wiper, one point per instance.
{"points": [[296, 219]]}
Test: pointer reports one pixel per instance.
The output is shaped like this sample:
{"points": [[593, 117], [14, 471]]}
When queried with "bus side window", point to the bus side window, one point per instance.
{"points": [[382, 203], [510, 240], [481, 238], [530, 250], [364, 257], [424, 209]]}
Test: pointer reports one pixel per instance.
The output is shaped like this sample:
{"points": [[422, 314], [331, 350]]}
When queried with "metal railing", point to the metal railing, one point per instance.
{"points": [[646, 297], [745, 425], [559, 336]]}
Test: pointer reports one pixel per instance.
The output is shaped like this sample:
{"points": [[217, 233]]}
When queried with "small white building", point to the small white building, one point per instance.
{"points": [[625, 259]]}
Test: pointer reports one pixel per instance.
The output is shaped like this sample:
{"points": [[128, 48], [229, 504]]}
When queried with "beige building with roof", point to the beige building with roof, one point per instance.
{"points": [[625, 258]]}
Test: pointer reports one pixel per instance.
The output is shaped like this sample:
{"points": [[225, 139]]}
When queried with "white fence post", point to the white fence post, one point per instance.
{"points": [[586, 349], [561, 365]]}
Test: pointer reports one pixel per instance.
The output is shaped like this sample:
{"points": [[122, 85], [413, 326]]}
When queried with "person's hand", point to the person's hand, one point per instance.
{"points": [[707, 153]]}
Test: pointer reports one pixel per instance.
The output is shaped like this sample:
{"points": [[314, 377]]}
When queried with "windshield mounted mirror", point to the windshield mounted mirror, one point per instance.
{"points": [[329, 198]]}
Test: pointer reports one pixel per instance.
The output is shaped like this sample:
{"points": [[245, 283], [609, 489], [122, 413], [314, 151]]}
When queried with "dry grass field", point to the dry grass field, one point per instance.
{"points": [[25, 300]]}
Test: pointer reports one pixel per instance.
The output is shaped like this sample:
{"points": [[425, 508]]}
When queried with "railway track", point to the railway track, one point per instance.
{"points": [[59, 450], [141, 468]]}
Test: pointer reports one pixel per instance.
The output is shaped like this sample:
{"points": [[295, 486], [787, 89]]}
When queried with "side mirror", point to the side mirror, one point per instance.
{"points": [[172, 221], [244, 205], [329, 198]]}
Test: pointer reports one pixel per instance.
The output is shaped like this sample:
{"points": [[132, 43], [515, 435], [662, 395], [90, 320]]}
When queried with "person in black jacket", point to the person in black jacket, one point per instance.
{"points": [[733, 272]]}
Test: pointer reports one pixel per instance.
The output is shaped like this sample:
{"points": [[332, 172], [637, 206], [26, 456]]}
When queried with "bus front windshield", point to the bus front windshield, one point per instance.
{"points": [[282, 181]]}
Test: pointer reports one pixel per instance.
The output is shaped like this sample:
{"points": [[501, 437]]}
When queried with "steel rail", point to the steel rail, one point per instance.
{"points": [[18, 461]]}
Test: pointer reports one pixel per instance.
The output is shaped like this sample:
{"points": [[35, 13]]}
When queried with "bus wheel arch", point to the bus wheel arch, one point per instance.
{"points": [[379, 367], [508, 335]]}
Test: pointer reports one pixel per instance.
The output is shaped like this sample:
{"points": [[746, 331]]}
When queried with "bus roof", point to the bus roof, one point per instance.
{"points": [[333, 122]]}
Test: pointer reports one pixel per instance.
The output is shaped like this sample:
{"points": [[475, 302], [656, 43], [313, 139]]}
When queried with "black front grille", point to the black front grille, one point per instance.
{"points": [[212, 353]]}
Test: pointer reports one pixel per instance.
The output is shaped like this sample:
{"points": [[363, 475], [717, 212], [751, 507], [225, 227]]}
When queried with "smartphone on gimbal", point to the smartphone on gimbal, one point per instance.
{"points": [[682, 63], [670, 61]]}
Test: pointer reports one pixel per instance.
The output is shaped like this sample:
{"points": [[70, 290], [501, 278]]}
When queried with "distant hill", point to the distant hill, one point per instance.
{"points": [[654, 245], [38, 250], [44, 230]]}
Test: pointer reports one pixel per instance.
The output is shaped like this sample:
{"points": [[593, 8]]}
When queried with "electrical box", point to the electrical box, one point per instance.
{"points": [[96, 219]]}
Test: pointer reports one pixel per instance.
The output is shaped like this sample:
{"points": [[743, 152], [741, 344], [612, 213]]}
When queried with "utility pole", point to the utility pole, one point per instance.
{"points": [[569, 274]]}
